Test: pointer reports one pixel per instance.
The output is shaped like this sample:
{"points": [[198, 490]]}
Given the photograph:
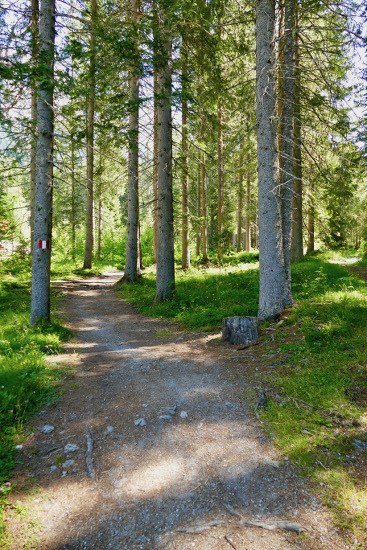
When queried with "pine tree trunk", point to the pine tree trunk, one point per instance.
{"points": [[184, 158], [297, 215], [248, 206], [272, 277], [165, 245], [132, 265], [198, 208], [72, 206], [155, 170], [240, 197], [311, 220], [204, 213], [287, 126], [89, 221], [220, 181], [41, 258], [34, 52]]}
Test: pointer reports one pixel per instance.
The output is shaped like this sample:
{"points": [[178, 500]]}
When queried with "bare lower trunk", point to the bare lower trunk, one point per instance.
{"points": [[72, 209], [204, 213], [184, 154], [297, 215], [34, 26], [240, 197], [287, 144], [220, 181], [132, 265], [99, 227], [165, 249], [248, 206], [272, 279], [89, 220], [198, 209], [41, 258], [311, 220], [155, 171]]}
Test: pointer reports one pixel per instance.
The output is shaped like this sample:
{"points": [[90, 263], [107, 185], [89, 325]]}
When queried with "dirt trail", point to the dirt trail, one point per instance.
{"points": [[154, 486]]}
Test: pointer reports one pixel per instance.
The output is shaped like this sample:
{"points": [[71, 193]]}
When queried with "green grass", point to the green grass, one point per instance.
{"points": [[322, 379], [26, 382], [202, 297]]}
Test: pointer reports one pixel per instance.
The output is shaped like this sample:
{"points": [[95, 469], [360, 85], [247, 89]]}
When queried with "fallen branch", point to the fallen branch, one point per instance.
{"points": [[89, 455]]}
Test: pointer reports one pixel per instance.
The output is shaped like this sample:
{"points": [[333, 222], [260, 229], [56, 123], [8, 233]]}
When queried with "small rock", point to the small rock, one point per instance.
{"points": [[68, 463], [64, 474], [360, 445], [140, 422], [47, 429], [165, 417], [109, 429], [19, 447], [53, 468], [184, 414], [172, 410], [71, 448]]}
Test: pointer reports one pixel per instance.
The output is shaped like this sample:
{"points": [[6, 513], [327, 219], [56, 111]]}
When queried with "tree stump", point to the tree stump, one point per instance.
{"points": [[240, 330]]}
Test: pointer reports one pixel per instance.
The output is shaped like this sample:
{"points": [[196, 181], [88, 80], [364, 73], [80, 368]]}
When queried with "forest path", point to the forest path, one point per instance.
{"points": [[155, 486]]}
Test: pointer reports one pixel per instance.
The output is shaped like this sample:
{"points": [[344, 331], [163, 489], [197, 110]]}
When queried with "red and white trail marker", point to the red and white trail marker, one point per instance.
{"points": [[43, 245]]}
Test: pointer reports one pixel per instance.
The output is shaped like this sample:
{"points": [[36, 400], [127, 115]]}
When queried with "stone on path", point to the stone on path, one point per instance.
{"points": [[140, 422], [71, 448], [47, 429]]}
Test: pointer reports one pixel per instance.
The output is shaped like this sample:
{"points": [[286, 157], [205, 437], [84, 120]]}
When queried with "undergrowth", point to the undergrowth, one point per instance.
{"points": [[26, 382]]}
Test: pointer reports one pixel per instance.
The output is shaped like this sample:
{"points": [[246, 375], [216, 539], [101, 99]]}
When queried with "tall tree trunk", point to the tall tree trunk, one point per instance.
{"points": [[155, 169], [198, 207], [311, 220], [132, 265], [248, 207], [34, 52], [72, 206], [240, 197], [41, 258], [297, 215], [220, 180], [204, 213], [286, 152], [184, 158], [272, 277], [89, 221], [165, 249]]}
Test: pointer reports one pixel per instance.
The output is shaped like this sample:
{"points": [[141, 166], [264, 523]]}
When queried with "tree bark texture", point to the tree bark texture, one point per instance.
{"points": [[311, 219], [248, 208], [34, 52], [73, 205], [297, 206], [41, 257], [220, 180], [272, 278], [165, 246], [184, 159], [198, 207], [204, 212], [286, 152], [132, 265], [240, 330], [155, 169], [89, 220], [240, 197]]}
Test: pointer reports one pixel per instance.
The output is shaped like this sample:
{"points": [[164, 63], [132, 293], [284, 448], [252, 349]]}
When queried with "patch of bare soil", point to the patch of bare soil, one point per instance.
{"points": [[197, 472]]}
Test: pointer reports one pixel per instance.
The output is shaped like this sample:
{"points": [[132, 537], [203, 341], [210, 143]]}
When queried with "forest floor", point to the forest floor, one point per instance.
{"points": [[204, 476]]}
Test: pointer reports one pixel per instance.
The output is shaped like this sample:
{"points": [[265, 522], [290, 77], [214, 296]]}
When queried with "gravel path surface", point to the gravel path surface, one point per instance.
{"points": [[163, 451]]}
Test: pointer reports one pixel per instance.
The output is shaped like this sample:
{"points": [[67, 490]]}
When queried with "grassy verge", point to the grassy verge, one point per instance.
{"points": [[318, 415], [26, 382]]}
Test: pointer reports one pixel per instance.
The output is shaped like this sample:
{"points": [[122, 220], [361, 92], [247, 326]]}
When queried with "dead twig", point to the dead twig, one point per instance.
{"points": [[89, 455]]}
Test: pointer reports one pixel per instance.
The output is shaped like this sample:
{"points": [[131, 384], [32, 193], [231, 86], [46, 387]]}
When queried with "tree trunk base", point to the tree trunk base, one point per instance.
{"points": [[240, 330]]}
